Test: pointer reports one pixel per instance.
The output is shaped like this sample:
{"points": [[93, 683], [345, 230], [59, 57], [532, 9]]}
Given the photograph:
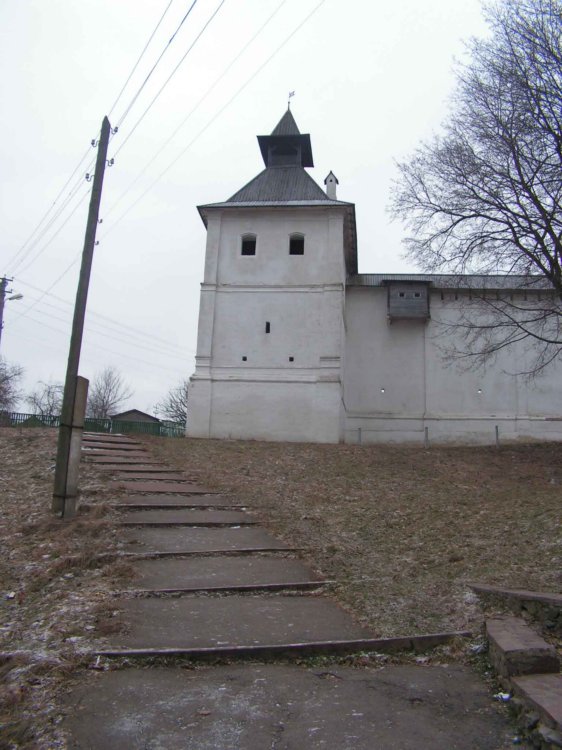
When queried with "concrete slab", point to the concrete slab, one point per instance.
{"points": [[206, 573], [179, 501], [515, 649], [90, 453], [136, 467], [107, 458], [160, 476], [186, 540], [194, 622], [175, 488], [187, 517], [284, 707], [101, 437], [111, 441], [543, 692]]}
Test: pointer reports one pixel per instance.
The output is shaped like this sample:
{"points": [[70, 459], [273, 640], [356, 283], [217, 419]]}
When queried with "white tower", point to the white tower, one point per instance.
{"points": [[271, 321]]}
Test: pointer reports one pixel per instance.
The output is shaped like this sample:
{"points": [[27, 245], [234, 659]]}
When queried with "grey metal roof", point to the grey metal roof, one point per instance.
{"points": [[286, 125], [280, 184], [452, 281]]}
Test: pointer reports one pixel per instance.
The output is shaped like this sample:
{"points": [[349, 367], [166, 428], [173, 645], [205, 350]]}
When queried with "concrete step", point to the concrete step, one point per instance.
{"points": [[542, 693], [178, 501], [111, 445], [108, 458], [221, 574], [158, 488], [95, 453], [159, 476], [543, 606], [186, 517], [515, 649], [151, 540]]}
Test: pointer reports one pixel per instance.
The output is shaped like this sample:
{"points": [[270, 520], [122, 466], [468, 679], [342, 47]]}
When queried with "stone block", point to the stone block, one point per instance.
{"points": [[543, 694], [515, 649]]}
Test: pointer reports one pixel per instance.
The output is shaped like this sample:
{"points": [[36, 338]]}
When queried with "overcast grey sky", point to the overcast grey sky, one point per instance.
{"points": [[371, 79]]}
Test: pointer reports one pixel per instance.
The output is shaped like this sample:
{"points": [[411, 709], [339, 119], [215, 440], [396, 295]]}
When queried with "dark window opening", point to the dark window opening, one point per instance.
{"points": [[268, 327], [248, 244], [291, 359], [244, 359], [417, 295], [401, 294], [296, 244]]}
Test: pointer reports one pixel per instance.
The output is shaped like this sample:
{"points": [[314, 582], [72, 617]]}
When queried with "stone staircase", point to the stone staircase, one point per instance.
{"points": [[526, 664]]}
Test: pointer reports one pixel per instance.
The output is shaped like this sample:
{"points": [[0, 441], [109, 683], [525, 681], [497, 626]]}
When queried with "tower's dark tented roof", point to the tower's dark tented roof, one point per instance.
{"points": [[281, 184], [286, 125]]}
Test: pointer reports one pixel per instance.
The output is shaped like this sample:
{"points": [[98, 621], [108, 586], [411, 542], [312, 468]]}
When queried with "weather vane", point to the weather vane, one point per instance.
{"points": [[291, 93]]}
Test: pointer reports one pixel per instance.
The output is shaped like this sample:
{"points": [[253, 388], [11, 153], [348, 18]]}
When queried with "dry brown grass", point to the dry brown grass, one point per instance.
{"points": [[402, 529], [52, 580]]}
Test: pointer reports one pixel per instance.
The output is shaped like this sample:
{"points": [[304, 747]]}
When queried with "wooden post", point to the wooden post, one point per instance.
{"points": [[67, 410], [76, 433]]}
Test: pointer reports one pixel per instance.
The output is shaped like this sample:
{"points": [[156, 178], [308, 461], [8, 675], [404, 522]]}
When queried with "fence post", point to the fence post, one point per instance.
{"points": [[426, 437]]}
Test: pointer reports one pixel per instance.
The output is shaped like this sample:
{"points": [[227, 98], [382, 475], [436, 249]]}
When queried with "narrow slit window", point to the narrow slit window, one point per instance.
{"points": [[296, 244], [248, 244], [268, 327]]}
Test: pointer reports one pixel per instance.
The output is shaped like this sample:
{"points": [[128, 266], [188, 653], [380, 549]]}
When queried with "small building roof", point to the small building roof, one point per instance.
{"points": [[134, 415]]}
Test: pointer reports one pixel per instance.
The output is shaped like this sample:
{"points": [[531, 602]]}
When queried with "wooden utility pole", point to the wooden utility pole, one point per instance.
{"points": [[3, 291], [67, 420]]}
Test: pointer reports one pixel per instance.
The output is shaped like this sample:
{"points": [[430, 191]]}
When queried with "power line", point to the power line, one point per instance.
{"points": [[147, 363], [39, 227], [165, 349], [46, 214], [215, 117], [56, 233], [135, 66], [166, 48], [194, 109], [172, 74]]}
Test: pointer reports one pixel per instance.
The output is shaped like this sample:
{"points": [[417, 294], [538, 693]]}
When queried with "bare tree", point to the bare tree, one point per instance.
{"points": [[174, 405], [10, 378], [107, 393], [486, 196], [46, 399]]}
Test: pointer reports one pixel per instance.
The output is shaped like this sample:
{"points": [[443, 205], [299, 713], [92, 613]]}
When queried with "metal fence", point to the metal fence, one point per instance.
{"points": [[161, 429]]}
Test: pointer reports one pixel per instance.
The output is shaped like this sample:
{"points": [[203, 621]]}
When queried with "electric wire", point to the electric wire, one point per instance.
{"points": [[55, 234], [143, 84], [110, 320], [167, 81], [108, 331], [16, 261], [87, 344], [193, 110], [215, 117], [32, 240], [135, 66]]}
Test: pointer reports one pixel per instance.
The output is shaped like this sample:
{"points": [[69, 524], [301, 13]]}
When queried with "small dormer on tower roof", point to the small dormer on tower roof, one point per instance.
{"points": [[286, 146]]}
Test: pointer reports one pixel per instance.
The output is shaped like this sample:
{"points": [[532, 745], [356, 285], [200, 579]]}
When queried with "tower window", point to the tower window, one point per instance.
{"points": [[268, 327], [248, 246], [296, 244]]}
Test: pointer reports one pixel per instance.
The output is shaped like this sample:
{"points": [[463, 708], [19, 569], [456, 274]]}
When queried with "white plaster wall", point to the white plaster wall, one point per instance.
{"points": [[302, 297], [407, 360]]}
